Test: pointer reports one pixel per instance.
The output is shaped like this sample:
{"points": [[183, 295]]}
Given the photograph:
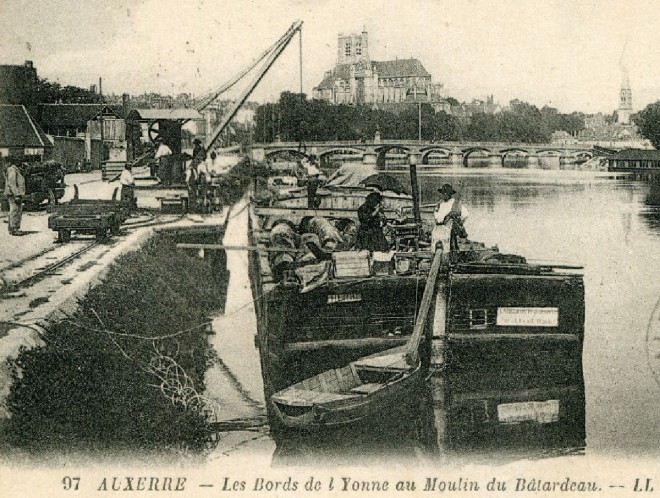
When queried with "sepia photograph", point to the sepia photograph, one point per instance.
{"points": [[329, 248]]}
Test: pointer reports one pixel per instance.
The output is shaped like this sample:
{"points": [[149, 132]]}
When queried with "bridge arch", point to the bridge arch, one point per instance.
{"points": [[426, 152], [513, 151], [471, 150], [324, 155], [382, 152], [549, 152]]}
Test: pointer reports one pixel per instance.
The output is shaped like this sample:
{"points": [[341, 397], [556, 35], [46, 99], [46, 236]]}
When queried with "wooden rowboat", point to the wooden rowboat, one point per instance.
{"points": [[364, 388]]}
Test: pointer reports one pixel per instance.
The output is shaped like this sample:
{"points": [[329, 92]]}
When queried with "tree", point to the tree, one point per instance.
{"points": [[52, 92], [648, 121], [446, 127]]}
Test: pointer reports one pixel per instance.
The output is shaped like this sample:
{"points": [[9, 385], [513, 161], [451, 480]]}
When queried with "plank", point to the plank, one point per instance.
{"points": [[367, 342]]}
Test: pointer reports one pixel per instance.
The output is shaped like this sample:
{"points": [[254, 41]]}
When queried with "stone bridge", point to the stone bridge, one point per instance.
{"points": [[420, 152]]}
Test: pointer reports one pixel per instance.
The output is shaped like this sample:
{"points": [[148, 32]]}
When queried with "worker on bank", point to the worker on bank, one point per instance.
{"points": [[370, 234], [211, 164], [199, 153], [449, 216], [127, 183], [14, 191], [164, 157], [192, 184]]}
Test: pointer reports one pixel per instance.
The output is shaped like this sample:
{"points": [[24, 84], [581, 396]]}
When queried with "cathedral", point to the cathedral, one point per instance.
{"points": [[356, 79]]}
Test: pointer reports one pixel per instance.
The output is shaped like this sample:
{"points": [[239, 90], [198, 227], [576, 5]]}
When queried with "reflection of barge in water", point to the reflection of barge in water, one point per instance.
{"points": [[314, 315]]}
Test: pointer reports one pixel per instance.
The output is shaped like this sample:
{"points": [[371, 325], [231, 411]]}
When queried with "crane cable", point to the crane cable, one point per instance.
{"points": [[208, 98], [274, 54]]}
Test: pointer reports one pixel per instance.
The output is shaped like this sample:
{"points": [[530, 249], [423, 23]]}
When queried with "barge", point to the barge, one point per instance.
{"points": [[321, 307]]}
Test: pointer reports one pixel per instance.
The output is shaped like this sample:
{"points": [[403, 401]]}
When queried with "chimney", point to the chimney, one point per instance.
{"points": [[28, 64]]}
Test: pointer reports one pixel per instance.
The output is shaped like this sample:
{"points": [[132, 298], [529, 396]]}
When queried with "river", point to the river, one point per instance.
{"points": [[612, 228]]}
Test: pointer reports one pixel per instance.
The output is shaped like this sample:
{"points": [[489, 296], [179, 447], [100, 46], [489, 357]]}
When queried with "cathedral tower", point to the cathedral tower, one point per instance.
{"points": [[353, 48]]}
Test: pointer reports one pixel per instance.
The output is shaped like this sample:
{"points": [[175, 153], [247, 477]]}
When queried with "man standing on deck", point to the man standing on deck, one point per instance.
{"points": [[449, 218], [14, 191], [313, 178]]}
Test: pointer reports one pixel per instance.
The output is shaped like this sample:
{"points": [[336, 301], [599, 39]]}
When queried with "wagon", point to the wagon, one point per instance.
{"points": [[99, 217]]}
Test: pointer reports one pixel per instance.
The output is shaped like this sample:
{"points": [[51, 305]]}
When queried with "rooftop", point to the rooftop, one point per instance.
{"points": [[53, 115], [398, 68], [19, 129], [638, 155]]}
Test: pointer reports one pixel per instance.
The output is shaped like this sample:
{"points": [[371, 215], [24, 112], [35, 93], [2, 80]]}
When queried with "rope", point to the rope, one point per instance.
{"points": [[138, 336], [175, 384]]}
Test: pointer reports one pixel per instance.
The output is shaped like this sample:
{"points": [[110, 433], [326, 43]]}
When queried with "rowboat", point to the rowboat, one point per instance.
{"points": [[365, 388]]}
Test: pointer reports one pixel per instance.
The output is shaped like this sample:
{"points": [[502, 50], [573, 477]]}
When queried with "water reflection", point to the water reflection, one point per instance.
{"points": [[488, 409], [650, 213]]}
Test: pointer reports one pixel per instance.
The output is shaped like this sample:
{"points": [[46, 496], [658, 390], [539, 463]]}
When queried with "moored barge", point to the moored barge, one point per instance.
{"points": [[322, 306]]}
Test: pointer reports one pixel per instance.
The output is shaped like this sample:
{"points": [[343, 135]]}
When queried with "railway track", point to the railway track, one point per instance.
{"points": [[27, 272], [50, 269], [32, 269]]}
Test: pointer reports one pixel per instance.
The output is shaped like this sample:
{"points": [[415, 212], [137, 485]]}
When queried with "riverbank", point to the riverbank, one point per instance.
{"points": [[126, 368]]}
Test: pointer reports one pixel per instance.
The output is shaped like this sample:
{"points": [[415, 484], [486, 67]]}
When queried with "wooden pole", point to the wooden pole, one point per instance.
{"points": [[415, 192], [412, 349]]}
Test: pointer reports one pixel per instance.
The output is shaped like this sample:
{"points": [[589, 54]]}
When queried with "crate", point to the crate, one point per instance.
{"points": [[173, 205], [383, 263], [351, 264]]}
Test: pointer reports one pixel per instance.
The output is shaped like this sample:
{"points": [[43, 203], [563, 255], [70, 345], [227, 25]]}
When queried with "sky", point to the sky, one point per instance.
{"points": [[567, 54]]}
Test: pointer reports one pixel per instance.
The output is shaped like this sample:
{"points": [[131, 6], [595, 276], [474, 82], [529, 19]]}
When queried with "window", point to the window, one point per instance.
{"points": [[358, 48], [347, 49], [478, 319]]}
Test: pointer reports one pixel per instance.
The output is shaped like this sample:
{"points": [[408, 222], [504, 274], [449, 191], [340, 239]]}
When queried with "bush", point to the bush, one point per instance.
{"points": [[95, 385]]}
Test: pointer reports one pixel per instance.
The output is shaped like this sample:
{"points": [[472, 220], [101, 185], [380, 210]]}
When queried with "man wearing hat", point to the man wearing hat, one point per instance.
{"points": [[449, 217], [14, 191]]}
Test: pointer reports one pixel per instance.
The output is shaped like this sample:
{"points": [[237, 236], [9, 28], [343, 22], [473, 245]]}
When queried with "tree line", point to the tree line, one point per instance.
{"points": [[296, 118], [51, 92]]}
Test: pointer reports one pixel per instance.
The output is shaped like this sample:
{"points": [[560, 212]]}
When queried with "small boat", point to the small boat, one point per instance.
{"points": [[363, 389], [347, 395]]}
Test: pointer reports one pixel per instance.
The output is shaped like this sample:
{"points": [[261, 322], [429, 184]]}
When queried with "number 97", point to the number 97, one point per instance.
{"points": [[70, 483]]}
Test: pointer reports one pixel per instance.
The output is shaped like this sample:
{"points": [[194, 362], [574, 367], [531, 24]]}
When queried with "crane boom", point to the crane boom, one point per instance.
{"points": [[275, 52], [214, 94]]}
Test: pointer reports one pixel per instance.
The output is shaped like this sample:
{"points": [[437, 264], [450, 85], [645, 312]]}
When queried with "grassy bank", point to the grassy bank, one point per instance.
{"points": [[127, 369]]}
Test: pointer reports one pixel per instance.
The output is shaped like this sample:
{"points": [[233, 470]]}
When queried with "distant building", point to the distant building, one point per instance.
{"points": [[356, 79], [465, 110], [18, 84], [20, 134], [602, 130], [70, 120], [562, 137]]}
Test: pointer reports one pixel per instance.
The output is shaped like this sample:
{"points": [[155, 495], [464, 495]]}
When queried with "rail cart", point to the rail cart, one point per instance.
{"points": [[99, 217]]}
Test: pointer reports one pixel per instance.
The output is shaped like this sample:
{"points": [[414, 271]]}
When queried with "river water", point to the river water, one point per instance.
{"points": [[612, 228]]}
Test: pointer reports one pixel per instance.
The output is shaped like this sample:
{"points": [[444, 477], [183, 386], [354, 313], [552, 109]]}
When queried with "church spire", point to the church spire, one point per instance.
{"points": [[625, 94]]}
